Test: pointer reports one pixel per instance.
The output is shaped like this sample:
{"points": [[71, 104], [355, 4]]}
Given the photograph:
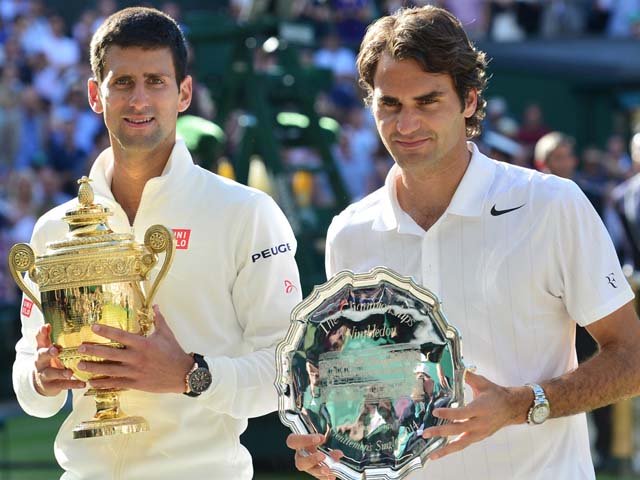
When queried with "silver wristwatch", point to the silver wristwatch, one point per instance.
{"points": [[540, 410]]}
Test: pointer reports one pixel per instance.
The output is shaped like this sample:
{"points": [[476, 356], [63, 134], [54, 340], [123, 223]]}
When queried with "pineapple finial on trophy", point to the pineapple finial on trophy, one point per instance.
{"points": [[85, 192]]}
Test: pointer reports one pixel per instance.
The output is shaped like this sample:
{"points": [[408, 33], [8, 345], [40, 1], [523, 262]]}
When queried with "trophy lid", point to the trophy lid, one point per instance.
{"points": [[88, 226]]}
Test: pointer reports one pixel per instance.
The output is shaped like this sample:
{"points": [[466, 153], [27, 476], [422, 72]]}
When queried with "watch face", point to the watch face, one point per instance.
{"points": [[199, 380], [540, 413]]}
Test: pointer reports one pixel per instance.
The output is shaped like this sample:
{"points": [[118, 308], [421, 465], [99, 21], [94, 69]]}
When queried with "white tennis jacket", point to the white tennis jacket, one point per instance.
{"points": [[228, 296]]}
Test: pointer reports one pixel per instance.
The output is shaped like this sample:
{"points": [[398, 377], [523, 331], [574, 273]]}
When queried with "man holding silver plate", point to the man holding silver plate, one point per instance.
{"points": [[517, 259]]}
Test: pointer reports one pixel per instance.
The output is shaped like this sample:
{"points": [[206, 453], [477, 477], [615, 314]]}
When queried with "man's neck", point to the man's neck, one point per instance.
{"points": [[131, 171], [425, 193]]}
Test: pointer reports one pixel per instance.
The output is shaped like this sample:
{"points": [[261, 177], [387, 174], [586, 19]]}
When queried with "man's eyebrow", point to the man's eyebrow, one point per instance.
{"points": [[434, 95], [426, 97], [387, 98], [145, 75], [156, 74]]}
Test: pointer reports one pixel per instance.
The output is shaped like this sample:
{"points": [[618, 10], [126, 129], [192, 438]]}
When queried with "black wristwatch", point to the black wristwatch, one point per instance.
{"points": [[199, 378]]}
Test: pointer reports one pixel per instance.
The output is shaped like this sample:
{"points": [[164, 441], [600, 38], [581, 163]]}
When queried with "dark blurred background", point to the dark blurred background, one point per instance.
{"points": [[277, 106]]}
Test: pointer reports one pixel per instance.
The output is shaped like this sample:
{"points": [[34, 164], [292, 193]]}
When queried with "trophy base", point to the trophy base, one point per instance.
{"points": [[113, 426]]}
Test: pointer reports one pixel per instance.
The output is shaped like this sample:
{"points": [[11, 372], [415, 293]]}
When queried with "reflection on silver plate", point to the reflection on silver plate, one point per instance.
{"points": [[366, 360]]}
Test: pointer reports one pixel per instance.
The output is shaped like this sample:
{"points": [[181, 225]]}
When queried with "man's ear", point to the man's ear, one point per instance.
{"points": [[185, 94], [93, 93], [471, 103]]}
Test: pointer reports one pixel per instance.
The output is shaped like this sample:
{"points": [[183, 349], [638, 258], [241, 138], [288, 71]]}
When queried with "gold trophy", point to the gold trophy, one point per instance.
{"points": [[94, 276]]}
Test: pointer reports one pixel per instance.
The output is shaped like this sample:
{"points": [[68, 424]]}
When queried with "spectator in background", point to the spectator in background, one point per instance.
{"points": [[10, 106], [473, 14], [626, 202], [33, 130], [554, 154], [354, 153], [563, 18], [341, 61], [533, 127], [33, 29], [617, 159], [351, 18], [593, 179], [624, 18], [61, 51]]}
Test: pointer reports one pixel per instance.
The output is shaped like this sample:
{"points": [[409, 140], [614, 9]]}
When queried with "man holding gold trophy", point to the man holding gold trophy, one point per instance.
{"points": [[516, 257], [225, 296]]}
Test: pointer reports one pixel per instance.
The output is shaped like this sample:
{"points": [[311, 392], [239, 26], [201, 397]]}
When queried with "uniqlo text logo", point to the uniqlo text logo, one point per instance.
{"points": [[182, 238], [27, 305]]}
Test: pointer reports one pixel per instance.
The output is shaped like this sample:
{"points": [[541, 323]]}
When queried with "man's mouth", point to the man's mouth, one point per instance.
{"points": [[139, 120]]}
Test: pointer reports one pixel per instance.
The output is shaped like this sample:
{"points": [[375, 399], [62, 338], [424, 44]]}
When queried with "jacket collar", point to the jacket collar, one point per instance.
{"points": [[101, 173]]}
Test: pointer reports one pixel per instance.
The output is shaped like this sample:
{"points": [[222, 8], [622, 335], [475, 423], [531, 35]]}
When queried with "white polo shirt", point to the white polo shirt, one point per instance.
{"points": [[517, 259]]}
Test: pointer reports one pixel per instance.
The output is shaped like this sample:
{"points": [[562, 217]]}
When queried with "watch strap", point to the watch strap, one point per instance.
{"points": [[539, 398], [198, 362]]}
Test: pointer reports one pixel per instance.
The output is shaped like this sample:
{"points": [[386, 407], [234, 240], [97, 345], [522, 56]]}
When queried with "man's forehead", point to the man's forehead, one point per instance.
{"points": [[406, 78], [129, 60]]}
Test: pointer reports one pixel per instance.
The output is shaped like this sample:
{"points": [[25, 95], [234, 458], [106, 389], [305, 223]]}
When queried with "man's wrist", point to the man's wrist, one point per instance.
{"points": [[521, 401], [187, 365], [37, 384]]}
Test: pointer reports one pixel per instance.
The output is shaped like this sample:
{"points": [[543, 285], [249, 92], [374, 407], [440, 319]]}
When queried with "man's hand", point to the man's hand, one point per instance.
{"points": [[308, 458], [50, 377], [156, 363], [492, 408]]}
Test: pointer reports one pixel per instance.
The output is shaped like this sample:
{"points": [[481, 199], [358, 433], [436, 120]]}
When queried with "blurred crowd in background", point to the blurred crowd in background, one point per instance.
{"points": [[49, 136]]}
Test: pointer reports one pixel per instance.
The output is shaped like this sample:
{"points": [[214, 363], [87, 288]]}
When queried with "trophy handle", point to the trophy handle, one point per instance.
{"points": [[23, 259], [159, 238]]}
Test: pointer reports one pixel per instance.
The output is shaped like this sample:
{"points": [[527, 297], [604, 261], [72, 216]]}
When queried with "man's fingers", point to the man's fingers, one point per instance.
{"points": [[64, 384], [158, 318], [448, 430], [478, 383], [305, 463], [460, 443], [336, 454], [455, 414], [43, 336], [106, 352], [44, 357], [50, 374], [304, 442], [105, 368], [118, 335]]}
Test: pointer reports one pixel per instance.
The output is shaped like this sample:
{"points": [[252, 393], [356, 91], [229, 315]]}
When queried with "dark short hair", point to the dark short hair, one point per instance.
{"points": [[143, 27], [436, 40]]}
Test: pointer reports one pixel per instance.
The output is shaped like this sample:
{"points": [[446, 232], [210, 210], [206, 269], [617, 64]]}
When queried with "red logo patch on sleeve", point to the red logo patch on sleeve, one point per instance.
{"points": [[182, 238], [27, 305]]}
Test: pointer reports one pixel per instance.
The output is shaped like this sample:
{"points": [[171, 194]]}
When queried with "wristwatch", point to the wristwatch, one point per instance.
{"points": [[540, 410], [199, 378]]}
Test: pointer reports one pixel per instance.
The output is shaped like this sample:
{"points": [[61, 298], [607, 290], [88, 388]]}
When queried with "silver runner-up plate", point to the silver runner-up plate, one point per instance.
{"points": [[365, 361]]}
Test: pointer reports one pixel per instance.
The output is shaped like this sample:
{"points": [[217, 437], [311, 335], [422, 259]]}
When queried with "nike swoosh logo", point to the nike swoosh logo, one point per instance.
{"points": [[497, 213]]}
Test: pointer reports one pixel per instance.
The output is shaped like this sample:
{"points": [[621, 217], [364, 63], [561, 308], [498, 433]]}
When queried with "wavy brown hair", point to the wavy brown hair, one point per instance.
{"points": [[436, 40]]}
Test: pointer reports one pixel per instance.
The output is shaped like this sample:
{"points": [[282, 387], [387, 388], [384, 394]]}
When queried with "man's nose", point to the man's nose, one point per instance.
{"points": [[408, 121], [139, 97]]}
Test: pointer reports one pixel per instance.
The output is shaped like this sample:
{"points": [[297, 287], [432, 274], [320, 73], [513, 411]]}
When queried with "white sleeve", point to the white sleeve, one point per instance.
{"points": [[329, 250], [588, 276], [24, 366], [264, 293]]}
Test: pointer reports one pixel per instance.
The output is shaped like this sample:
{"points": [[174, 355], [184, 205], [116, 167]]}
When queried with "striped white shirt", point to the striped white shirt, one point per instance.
{"points": [[517, 259]]}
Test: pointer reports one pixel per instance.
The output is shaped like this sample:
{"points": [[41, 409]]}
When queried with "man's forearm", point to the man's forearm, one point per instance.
{"points": [[610, 375]]}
